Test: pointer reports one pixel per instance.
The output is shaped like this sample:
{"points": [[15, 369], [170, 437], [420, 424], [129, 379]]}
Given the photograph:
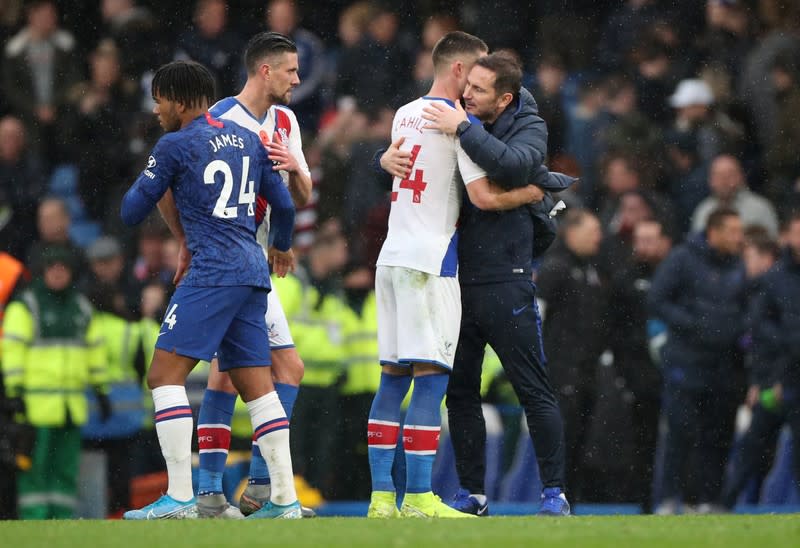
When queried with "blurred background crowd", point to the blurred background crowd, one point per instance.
{"points": [[681, 118]]}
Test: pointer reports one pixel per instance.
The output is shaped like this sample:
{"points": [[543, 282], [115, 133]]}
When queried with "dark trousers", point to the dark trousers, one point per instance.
{"points": [[505, 316], [120, 465], [699, 425], [757, 448], [8, 492], [314, 437], [577, 401], [644, 416], [352, 472], [793, 419], [753, 450]]}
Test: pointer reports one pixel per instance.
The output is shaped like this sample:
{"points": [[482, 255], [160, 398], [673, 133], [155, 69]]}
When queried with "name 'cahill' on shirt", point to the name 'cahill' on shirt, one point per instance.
{"points": [[409, 122], [227, 140]]}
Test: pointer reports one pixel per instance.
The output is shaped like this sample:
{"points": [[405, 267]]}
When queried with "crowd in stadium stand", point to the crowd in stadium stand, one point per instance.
{"points": [[676, 115]]}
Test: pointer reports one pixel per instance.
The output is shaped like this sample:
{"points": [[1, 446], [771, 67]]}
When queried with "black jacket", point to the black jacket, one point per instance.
{"points": [[497, 246], [575, 307], [628, 331], [701, 296], [511, 148], [776, 324]]}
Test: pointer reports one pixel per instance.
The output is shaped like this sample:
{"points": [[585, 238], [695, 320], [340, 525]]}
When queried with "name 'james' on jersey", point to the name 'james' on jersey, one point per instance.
{"points": [[278, 123], [425, 206], [215, 170]]}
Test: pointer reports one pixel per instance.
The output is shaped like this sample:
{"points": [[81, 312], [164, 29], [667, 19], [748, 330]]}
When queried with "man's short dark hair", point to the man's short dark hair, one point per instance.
{"points": [[266, 44], [759, 238], [185, 82], [718, 217], [574, 218], [456, 43], [507, 72]]}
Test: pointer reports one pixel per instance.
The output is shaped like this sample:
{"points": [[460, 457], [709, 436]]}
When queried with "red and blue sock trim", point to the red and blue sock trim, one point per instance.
{"points": [[268, 427], [170, 413]]}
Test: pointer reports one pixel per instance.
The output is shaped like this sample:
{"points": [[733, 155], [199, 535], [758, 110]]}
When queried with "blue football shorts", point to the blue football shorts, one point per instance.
{"points": [[227, 321]]}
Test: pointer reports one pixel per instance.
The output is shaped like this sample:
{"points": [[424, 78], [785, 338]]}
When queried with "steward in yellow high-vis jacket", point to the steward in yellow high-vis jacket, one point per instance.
{"points": [[52, 351], [116, 435], [311, 299], [361, 380]]}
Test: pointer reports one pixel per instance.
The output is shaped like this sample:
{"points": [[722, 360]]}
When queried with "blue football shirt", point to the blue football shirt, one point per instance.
{"points": [[215, 169]]}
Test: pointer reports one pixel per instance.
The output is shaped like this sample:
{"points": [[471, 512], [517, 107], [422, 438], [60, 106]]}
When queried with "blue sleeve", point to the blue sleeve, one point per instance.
{"points": [[376, 161], [510, 163], [152, 183], [664, 291], [281, 220], [384, 180]]}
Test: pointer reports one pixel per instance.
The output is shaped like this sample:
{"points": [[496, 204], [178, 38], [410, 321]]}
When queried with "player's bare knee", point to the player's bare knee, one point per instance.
{"points": [[153, 379], [169, 369], [422, 369], [219, 380], [162, 376], [251, 382], [396, 370], [287, 367]]}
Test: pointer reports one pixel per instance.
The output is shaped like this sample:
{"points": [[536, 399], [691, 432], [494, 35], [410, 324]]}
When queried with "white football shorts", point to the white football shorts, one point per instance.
{"points": [[277, 326], [419, 317]]}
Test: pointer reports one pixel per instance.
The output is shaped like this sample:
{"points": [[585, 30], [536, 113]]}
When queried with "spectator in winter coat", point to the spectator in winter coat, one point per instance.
{"points": [[699, 292], [573, 299]]}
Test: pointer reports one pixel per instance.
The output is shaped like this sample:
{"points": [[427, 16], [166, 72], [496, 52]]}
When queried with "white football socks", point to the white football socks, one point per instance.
{"points": [[174, 426], [271, 432]]}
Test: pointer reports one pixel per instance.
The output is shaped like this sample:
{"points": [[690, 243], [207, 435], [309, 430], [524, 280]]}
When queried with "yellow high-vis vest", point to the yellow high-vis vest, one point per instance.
{"points": [[52, 373]]}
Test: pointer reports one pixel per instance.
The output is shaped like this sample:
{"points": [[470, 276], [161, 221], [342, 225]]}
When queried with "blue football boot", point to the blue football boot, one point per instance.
{"points": [[463, 501], [165, 508], [554, 503]]}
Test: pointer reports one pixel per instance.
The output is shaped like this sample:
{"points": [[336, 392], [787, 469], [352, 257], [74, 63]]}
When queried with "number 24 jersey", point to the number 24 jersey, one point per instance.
{"points": [[425, 206], [215, 170]]}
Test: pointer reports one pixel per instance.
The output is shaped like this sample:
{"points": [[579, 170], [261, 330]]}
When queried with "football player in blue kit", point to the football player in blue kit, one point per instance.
{"points": [[204, 175]]}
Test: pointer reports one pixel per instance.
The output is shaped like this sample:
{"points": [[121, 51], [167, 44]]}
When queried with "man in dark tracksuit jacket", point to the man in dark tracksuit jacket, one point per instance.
{"points": [[699, 292], [631, 346], [498, 298], [573, 294], [775, 319]]}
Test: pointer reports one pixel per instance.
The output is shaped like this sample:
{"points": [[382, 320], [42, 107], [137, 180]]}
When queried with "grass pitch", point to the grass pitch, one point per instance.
{"points": [[496, 532]]}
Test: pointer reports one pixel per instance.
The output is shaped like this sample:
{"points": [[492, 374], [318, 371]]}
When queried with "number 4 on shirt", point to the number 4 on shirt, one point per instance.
{"points": [[247, 196], [416, 181]]}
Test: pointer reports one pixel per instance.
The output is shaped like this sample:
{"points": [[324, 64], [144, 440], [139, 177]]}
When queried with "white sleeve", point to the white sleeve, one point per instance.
{"points": [[296, 144], [469, 169]]}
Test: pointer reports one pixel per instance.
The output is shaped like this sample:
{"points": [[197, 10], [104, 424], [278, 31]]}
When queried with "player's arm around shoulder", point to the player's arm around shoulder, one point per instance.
{"points": [[483, 194], [507, 161], [487, 196]]}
